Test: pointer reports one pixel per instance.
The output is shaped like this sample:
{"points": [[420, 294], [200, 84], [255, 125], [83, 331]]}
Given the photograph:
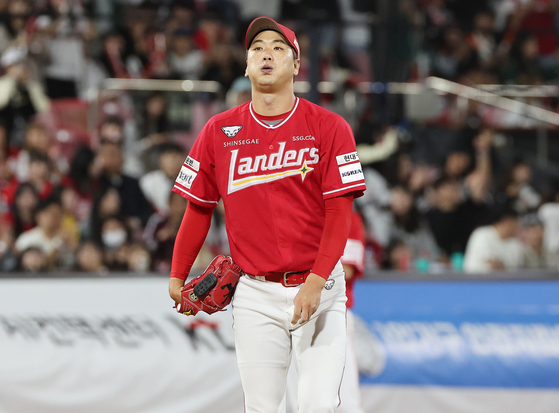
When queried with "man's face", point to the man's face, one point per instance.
{"points": [[270, 61], [510, 225], [533, 235], [112, 158], [50, 218]]}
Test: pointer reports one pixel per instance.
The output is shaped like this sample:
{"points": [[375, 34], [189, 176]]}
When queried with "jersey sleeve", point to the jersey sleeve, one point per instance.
{"points": [[341, 170], [196, 180], [354, 252]]}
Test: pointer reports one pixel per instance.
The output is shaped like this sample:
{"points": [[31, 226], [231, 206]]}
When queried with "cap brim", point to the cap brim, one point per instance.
{"points": [[259, 25]]}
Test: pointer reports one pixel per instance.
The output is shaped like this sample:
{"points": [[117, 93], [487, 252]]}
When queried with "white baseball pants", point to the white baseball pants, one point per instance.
{"points": [[264, 344]]}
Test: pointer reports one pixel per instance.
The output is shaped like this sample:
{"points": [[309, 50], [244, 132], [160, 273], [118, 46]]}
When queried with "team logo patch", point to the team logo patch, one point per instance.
{"points": [[329, 284], [351, 173], [231, 131], [186, 177]]}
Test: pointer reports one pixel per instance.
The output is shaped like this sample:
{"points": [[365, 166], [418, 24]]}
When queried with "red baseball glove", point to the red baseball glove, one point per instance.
{"points": [[213, 290]]}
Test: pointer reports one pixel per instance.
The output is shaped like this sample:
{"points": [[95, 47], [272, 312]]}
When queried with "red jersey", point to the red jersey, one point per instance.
{"points": [[354, 253], [273, 181]]}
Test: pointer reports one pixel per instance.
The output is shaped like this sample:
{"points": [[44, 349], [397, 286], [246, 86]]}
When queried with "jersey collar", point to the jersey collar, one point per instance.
{"points": [[279, 124]]}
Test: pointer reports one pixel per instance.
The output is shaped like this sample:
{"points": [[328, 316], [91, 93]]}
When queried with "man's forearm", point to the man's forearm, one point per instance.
{"points": [[190, 238], [337, 224]]}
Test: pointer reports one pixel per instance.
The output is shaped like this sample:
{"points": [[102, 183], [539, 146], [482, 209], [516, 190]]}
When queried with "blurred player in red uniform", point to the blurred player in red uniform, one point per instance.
{"points": [[353, 262], [287, 172]]}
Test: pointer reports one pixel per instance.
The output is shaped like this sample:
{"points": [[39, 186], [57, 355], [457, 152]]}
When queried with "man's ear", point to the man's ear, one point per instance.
{"points": [[246, 72], [296, 66]]}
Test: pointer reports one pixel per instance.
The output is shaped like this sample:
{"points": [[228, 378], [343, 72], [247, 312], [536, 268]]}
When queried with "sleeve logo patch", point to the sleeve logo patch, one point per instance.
{"points": [[193, 163], [347, 158], [231, 131], [351, 173], [186, 177]]}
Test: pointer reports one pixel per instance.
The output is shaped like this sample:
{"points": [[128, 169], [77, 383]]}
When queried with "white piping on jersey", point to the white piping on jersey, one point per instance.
{"points": [[195, 197], [343, 189], [279, 124]]}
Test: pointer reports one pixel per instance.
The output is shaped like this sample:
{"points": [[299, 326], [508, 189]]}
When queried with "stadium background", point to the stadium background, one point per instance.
{"points": [[454, 109]]}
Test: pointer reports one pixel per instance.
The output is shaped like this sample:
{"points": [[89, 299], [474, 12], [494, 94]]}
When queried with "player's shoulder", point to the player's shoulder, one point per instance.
{"points": [[227, 116], [317, 112]]}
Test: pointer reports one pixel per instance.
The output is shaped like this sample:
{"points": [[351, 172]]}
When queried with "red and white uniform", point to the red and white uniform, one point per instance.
{"points": [[273, 181], [354, 255], [274, 175]]}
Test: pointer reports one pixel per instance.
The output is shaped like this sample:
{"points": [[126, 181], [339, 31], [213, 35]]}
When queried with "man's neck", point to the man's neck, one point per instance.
{"points": [[273, 104], [501, 230]]}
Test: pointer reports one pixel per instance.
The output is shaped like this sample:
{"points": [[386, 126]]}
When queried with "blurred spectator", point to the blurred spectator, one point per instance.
{"points": [[139, 259], [182, 16], [38, 176], [375, 207], [157, 185], [115, 54], [161, 232], [524, 67], [397, 256], [67, 27], [8, 257], [495, 247], [224, 60], [154, 117], [185, 60], [410, 227], [34, 260], [239, 93], [517, 188], [401, 49], [38, 139], [21, 95], [112, 129], [21, 216], [6, 153], [116, 239], [455, 57], [452, 220], [106, 204], [46, 235], [13, 28], [89, 258], [535, 255], [135, 207], [81, 178], [482, 38], [549, 215], [70, 231]]}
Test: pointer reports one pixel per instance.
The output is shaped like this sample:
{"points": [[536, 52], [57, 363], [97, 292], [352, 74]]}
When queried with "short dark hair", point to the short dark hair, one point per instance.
{"points": [[169, 147], [45, 203], [504, 211], [444, 180]]}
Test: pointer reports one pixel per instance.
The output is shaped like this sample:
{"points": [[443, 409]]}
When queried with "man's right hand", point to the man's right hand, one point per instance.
{"points": [[175, 287]]}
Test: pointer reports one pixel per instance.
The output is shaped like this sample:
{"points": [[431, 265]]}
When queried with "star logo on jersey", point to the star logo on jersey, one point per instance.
{"points": [[304, 170], [231, 131]]}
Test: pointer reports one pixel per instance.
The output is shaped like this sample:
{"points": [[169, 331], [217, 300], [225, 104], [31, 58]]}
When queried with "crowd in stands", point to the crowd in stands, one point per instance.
{"points": [[97, 197]]}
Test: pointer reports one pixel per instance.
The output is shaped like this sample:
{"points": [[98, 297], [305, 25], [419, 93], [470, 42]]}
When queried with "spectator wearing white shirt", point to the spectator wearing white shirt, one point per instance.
{"points": [[495, 247], [46, 235], [535, 253], [185, 60], [157, 185]]}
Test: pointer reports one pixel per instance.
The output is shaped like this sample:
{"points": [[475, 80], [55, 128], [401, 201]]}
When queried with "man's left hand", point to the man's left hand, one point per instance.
{"points": [[307, 299]]}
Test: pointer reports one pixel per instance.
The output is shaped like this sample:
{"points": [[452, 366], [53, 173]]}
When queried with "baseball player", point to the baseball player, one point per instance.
{"points": [[353, 261], [287, 172]]}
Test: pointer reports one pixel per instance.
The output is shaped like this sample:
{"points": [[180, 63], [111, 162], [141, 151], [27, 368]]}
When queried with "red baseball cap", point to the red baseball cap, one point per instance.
{"points": [[266, 23]]}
